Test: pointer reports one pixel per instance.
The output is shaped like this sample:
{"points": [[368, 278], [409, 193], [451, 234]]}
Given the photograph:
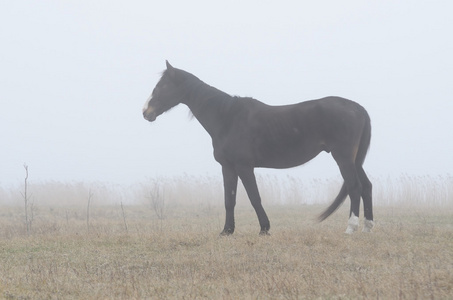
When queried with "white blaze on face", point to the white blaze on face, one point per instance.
{"points": [[145, 107], [353, 224]]}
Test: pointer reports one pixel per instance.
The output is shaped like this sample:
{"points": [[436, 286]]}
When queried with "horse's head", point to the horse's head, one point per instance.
{"points": [[165, 95]]}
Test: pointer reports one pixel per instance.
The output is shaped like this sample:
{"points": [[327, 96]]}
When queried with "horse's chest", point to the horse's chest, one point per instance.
{"points": [[233, 149]]}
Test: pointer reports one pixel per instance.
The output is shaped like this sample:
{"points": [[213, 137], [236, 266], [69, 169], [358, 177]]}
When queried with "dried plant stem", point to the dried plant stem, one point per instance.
{"points": [[90, 195], [124, 216], [28, 219], [158, 203]]}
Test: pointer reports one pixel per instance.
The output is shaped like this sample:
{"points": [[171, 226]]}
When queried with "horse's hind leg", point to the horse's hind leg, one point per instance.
{"points": [[354, 186], [367, 199]]}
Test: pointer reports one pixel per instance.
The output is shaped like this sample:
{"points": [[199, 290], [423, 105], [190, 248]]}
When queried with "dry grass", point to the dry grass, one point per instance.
{"points": [[409, 256]]}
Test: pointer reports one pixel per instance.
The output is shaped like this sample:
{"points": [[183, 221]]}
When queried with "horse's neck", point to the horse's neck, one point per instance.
{"points": [[208, 106]]}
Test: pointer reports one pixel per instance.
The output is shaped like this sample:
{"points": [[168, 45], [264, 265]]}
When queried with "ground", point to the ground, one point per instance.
{"points": [[131, 254]]}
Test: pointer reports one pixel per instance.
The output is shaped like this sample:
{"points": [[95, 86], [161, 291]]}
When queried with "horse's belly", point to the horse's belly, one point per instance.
{"points": [[282, 158]]}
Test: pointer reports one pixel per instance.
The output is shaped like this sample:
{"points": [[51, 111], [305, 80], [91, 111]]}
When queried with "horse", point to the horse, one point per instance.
{"points": [[248, 134]]}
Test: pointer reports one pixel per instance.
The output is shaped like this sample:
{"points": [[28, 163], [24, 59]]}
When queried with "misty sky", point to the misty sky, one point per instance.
{"points": [[74, 76]]}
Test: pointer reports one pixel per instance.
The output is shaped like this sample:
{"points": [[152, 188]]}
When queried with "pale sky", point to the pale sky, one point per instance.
{"points": [[74, 76]]}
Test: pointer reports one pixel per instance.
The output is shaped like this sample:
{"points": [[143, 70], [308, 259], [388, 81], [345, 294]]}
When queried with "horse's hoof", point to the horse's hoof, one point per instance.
{"points": [[226, 232], [369, 224], [264, 233], [353, 224]]}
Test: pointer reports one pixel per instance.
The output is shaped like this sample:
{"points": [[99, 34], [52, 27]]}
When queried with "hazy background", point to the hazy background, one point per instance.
{"points": [[74, 76]]}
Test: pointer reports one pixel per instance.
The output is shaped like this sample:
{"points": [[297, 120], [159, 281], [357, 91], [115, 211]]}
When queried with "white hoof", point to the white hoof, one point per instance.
{"points": [[369, 224], [353, 224]]}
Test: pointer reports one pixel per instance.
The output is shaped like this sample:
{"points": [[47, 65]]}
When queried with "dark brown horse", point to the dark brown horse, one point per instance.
{"points": [[247, 134]]}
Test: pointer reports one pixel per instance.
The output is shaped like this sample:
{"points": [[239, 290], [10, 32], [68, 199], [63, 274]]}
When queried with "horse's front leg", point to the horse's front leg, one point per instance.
{"points": [[230, 183], [249, 181]]}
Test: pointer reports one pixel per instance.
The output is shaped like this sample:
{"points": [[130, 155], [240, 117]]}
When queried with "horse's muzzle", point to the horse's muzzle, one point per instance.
{"points": [[149, 114]]}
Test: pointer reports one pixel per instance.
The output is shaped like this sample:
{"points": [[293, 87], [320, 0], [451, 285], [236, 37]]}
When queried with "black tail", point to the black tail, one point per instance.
{"points": [[335, 204], [360, 158]]}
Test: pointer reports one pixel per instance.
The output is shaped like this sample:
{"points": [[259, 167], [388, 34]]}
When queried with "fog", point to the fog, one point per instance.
{"points": [[74, 76]]}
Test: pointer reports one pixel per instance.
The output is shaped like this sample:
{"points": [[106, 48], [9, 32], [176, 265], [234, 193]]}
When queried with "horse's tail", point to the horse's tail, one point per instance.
{"points": [[335, 204], [360, 158]]}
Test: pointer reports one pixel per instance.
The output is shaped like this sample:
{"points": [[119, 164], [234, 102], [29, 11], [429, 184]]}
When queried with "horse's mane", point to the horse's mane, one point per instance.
{"points": [[214, 98]]}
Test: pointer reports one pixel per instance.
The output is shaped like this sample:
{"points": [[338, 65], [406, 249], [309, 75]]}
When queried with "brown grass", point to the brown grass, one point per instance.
{"points": [[409, 255]]}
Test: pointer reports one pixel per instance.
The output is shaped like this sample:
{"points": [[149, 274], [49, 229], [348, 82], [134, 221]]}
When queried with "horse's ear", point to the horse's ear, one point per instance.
{"points": [[170, 69]]}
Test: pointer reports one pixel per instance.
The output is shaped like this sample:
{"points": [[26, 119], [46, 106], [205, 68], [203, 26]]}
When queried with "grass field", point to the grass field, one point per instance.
{"points": [[133, 254]]}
